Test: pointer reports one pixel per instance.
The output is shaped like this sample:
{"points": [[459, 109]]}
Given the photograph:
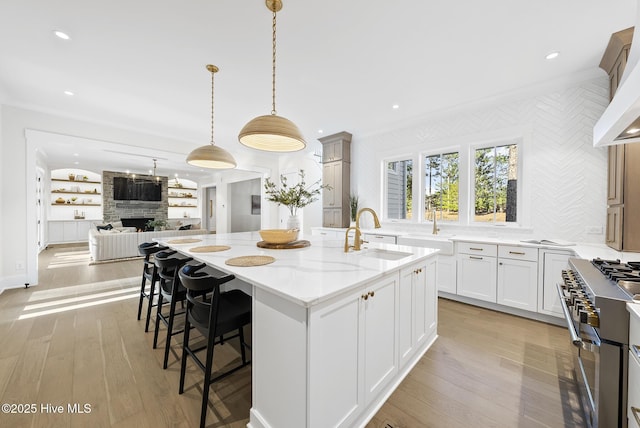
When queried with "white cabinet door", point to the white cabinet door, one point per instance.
{"points": [[353, 349], [70, 231], [550, 268], [406, 314], [477, 277], [55, 232], [417, 315], [82, 231], [336, 375], [380, 346], [446, 274], [518, 284], [431, 298]]}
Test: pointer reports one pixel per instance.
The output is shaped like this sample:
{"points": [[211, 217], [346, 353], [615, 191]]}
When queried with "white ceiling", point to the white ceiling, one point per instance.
{"points": [[341, 65]]}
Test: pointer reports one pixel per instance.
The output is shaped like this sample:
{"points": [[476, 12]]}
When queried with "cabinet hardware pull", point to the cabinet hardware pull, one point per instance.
{"points": [[379, 236], [365, 296], [475, 249], [500, 263], [635, 411], [476, 258], [518, 253], [636, 350], [371, 293]]}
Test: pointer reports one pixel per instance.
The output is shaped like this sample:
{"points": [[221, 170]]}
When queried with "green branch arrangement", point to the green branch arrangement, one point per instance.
{"points": [[293, 197]]}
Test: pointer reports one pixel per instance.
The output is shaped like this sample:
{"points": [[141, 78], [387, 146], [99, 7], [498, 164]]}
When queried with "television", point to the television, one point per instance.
{"points": [[136, 189]]}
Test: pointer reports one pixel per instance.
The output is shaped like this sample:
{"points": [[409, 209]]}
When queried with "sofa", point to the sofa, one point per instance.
{"points": [[122, 242]]}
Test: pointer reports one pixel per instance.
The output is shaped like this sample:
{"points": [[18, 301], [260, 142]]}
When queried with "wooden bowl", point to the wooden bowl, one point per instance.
{"points": [[279, 236]]}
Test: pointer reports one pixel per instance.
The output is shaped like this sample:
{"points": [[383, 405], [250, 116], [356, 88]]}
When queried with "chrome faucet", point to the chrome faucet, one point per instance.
{"points": [[357, 241], [435, 226]]}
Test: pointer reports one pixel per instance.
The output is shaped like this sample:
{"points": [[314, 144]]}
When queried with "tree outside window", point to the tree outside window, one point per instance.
{"points": [[441, 187], [496, 179]]}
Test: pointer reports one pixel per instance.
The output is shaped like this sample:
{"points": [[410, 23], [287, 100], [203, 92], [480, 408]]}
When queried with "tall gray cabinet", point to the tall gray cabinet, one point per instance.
{"points": [[336, 172]]}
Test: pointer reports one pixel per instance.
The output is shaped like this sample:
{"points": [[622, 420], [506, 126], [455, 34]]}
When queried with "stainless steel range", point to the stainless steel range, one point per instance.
{"points": [[593, 296]]}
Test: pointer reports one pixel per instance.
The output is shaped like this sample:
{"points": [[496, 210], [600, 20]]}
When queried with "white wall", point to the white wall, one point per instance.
{"points": [[242, 220], [564, 176]]}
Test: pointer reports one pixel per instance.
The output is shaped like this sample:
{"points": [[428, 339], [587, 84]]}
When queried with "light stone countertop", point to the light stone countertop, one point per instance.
{"points": [[306, 276]]}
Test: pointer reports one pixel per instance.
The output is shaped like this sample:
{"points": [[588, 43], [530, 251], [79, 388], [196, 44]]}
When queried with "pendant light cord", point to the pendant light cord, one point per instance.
{"points": [[273, 74], [212, 79]]}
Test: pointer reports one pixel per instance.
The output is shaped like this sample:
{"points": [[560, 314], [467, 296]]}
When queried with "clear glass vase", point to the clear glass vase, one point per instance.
{"points": [[293, 222]]}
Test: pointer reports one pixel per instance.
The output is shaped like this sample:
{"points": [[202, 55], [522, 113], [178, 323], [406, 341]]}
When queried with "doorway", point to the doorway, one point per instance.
{"points": [[209, 221]]}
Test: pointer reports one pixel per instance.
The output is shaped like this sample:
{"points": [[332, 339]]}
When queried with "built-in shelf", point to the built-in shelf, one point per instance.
{"points": [[75, 193], [76, 181], [182, 197], [183, 188], [75, 205]]}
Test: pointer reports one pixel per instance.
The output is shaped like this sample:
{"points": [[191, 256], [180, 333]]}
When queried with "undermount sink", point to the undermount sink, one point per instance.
{"points": [[385, 254]]}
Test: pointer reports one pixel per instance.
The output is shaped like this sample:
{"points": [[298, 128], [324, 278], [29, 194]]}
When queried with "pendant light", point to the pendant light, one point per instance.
{"points": [[272, 133], [211, 156]]}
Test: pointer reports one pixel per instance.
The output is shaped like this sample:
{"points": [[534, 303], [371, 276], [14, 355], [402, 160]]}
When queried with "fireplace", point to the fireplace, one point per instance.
{"points": [[140, 223]]}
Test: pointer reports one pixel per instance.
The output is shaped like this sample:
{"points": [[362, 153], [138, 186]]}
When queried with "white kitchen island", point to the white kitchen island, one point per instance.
{"points": [[333, 333]]}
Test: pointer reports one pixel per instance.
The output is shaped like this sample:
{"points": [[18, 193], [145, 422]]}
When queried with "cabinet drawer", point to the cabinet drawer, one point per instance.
{"points": [[518, 253], [489, 250], [387, 239]]}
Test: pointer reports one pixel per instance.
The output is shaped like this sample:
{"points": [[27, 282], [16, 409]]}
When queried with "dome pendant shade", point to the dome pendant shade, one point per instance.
{"points": [[272, 133], [211, 156]]}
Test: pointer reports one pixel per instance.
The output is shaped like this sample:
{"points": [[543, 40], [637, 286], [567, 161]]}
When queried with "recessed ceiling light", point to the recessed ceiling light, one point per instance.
{"points": [[395, 106], [76, 163], [633, 130], [76, 154], [320, 131], [62, 35], [69, 93], [552, 55]]}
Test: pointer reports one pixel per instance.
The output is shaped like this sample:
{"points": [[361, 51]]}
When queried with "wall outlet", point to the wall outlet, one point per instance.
{"points": [[19, 266], [594, 230]]}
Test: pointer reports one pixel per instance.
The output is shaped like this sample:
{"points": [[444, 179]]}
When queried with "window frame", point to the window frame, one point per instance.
{"points": [[385, 186], [519, 142], [445, 151]]}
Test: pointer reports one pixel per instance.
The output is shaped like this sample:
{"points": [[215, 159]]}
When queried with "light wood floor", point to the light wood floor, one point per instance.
{"points": [[74, 339]]}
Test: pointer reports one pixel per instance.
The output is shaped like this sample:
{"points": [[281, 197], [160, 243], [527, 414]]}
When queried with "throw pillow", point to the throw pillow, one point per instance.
{"points": [[185, 227], [105, 227]]}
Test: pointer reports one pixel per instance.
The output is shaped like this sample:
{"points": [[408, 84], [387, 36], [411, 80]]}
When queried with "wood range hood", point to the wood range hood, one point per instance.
{"points": [[620, 122]]}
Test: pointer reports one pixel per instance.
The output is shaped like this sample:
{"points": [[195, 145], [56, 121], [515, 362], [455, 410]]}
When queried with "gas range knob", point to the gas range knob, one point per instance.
{"points": [[584, 317], [593, 319]]}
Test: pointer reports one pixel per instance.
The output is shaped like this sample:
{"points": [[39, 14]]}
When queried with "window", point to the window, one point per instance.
{"points": [[441, 186], [399, 188], [496, 179]]}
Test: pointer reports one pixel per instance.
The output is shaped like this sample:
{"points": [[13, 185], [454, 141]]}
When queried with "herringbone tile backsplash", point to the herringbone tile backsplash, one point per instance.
{"points": [[564, 176]]}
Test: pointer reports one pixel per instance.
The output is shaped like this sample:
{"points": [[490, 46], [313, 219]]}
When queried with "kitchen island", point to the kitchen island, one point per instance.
{"points": [[333, 333]]}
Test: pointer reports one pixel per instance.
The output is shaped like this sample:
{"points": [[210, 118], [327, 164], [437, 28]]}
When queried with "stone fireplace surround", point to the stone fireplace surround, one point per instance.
{"points": [[113, 211]]}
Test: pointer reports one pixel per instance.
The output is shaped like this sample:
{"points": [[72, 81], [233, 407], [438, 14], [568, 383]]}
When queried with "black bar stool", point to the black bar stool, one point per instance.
{"points": [[171, 291], [213, 314], [149, 272]]}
